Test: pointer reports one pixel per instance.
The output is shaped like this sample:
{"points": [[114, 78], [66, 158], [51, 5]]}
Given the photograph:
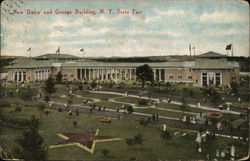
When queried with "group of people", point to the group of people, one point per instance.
{"points": [[203, 137], [99, 108], [228, 153]]}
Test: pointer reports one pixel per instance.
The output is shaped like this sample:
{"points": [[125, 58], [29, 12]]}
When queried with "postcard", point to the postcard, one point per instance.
{"points": [[124, 80]]}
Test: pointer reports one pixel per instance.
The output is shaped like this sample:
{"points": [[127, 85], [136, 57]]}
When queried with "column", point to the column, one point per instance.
{"points": [[220, 78], [130, 73], [85, 73], [80, 74], [154, 70], [101, 74], [115, 74], [159, 74], [89, 74], [106, 74]]}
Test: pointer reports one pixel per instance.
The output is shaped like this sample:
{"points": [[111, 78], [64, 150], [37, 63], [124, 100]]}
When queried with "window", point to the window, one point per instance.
{"points": [[190, 77], [217, 79], [179, 77], [233, 78], [171, 77], [204, 79]]}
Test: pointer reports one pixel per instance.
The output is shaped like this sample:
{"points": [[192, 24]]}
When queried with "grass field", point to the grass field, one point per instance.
{"points": [[110, 105], [178, 107], [153, 147], [129, 100], [100, 96]]}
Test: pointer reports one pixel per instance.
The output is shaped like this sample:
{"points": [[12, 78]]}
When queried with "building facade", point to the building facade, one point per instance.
{"points": [[200, 72]]}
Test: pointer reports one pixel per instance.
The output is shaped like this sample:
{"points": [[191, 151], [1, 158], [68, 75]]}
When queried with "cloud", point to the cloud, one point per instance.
{"points": [[148, 19], [170, 12], [223, 17]]}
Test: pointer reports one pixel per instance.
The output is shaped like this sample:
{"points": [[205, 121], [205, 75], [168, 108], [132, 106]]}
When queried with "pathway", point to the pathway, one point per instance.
{"points": [[173, 102]]}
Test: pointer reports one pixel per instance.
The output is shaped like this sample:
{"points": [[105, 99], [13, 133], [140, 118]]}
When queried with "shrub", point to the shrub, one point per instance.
{"points": [[138, 139], [47, 112], [130, 109], [18, 109], [143, 102], [60, 110], [105, 152], [130, 142], [46, 98], [4, 103], [75, 123]]}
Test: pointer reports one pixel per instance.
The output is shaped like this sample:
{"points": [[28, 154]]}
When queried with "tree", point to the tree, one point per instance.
{"points": [[105, 152], [32, 143], [50, 85], [75, 123], [59, 77], [166, 136], [77, 112], [46, 98], [41, 108], [138, 139], [183, 103], [26, 94], [93, 84], [144, 73], [130, 109], [130, 142], [234, 87]]}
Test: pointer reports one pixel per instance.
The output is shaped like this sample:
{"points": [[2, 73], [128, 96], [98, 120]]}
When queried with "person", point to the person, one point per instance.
{"points": [[117, 110], [153, 117], [223, 154], [99, 108], [118, 117], [232, 151], [104, 108], [208, 157], [157, 117], [217, 153], [90, 110]]}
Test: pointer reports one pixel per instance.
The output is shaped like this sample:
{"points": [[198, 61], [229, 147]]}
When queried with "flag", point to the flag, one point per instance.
{"points": [[228, 47], [58, 50], [190, 47], [82, 49], [29, 49]]}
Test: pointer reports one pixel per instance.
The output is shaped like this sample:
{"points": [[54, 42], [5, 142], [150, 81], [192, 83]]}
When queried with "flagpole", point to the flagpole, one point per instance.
{"points": [[232, 50], [30, 55]]}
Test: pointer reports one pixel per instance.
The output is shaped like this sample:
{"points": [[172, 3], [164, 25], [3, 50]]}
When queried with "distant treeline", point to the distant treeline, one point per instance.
{"points": [[133, 59]]}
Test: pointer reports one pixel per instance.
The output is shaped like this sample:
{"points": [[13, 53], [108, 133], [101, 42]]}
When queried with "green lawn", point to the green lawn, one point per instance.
{"points": [[178, 107], [162, 112], [110, 105], [152, 148], [65, 100], [129, 100], [100, 96]]}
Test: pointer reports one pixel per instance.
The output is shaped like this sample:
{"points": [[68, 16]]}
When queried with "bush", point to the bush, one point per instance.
{"points": [[18, 109], [143, 102], [46, 98], [75, 123], [26, 94], [138, 139], [47, 112], [130, 142], [105, 152], [60, 110], [130, 109], [4, 103]]}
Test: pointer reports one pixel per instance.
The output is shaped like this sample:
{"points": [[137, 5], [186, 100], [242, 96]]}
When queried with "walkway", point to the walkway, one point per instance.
{"points": [[173, 102]]}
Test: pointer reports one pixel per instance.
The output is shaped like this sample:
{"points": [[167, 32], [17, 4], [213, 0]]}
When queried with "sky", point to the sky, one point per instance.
{"points": [[161, 28]]}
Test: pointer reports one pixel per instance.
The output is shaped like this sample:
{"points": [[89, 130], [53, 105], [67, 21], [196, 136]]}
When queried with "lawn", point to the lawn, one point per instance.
{"points": [[65, 100], [178, 107], [110, 105], [101, 96], [129, 100], [162, 112], [152, 148]]}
